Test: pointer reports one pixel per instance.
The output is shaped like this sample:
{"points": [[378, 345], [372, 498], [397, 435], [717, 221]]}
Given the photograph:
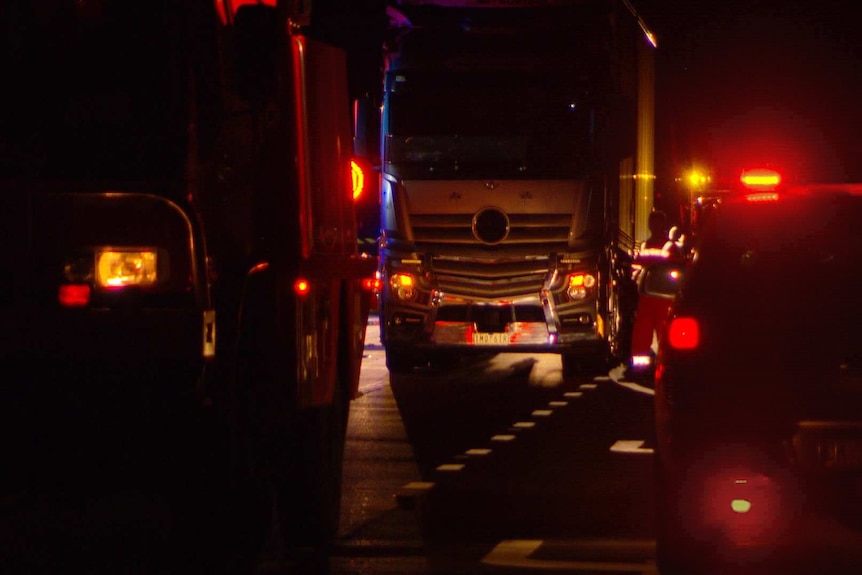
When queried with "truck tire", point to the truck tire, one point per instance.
{"points": [[400, 361], [583, 365]]}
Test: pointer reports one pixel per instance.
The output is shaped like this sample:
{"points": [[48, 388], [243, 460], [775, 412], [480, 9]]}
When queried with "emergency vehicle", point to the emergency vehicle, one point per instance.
{"points": [[758, 385], [516, 178], [180, 280]]}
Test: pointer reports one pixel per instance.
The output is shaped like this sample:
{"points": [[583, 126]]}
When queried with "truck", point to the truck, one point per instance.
{"points": [[516, 177], [183, 302]]}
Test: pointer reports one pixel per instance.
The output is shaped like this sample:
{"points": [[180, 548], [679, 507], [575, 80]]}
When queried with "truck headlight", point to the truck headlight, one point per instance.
{"points": [[579, 285], [403, 286]]}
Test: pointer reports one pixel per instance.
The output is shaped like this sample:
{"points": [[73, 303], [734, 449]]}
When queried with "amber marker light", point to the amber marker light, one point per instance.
{"points": [[357, 179], [122, 268]]}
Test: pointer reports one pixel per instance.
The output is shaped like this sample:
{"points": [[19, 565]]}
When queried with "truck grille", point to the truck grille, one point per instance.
{"points": [[490, 278], [549, 231]]}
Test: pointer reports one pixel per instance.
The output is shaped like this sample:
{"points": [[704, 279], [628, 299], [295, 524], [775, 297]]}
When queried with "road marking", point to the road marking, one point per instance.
{"points": [[516, 553], [524, 424], [450, 467], [478, 451], [542, 412], [635, 387], [558, 403], [588, 386], [573, 394], [503, 438], [631, 446]]}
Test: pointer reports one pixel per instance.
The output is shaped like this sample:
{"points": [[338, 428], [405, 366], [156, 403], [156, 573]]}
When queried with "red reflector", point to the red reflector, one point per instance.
{"points": [[302, 286], [371, 284], [683, 333], [74, 295]]}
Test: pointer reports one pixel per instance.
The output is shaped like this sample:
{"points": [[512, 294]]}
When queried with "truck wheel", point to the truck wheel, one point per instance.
{"points": [[583, 366], [401, 361]]}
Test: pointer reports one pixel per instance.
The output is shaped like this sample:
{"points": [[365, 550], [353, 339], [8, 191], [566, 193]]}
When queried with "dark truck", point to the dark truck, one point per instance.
{"points": [[182, 307]]}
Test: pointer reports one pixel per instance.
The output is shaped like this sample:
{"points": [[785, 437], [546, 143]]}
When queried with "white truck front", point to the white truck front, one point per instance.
{"points": [[505, 152]]}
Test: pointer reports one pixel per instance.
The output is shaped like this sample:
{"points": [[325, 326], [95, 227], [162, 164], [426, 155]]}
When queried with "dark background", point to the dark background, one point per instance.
{"points": [[745, 83], [740, 84]]}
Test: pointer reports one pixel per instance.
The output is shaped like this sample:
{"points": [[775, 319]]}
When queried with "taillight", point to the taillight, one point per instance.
{"points": [[74, 295], [357, 179], [372, 284], [683, 333], [301, 287]]}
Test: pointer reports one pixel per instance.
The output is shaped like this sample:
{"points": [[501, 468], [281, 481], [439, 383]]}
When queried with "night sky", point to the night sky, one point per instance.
{"points": [[757, 82]]}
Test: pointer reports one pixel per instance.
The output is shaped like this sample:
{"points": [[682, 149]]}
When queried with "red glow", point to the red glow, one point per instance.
{"points": [[762, 197], [760, 179], [357, 179], [74, 295], [371, 284], [683, 333], [746, 506], [226, 7], [302, 287]]}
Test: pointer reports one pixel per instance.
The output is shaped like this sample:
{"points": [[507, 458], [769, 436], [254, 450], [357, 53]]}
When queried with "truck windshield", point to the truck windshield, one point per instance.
{"points": [[94, 91], [498, 122]]}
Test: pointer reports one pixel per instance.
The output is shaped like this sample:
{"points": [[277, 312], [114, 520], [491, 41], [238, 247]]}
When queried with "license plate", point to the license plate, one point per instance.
{"points": [[494, 338]]}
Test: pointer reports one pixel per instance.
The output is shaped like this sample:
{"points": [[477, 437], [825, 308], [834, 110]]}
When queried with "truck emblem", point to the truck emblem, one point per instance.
{"points": [[490, 226], [491, 185]]}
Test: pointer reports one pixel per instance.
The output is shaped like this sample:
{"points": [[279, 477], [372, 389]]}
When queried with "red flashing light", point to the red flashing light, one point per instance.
{"points": [[74, 295], [301, 287], [762, 179], [683, 333], [762, 197]]}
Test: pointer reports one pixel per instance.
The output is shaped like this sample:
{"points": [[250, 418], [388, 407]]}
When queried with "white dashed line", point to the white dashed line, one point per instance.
{"points": [[516, 553], [631, 446], [542, 412], [503, 438], [524, 424], [478, 451], [573, 394], [451, 467]]}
